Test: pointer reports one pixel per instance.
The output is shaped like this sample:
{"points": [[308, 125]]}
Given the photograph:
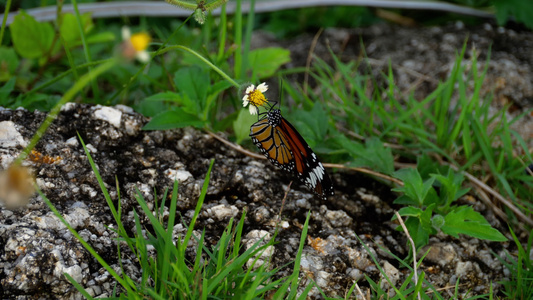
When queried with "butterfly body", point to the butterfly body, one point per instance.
{"points": [[281, 143]]}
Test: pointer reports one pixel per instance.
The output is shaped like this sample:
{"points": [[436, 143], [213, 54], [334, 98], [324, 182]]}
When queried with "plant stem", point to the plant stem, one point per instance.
{"points": [[207, 62], [85, 45], [237, 69], [4, 20]]}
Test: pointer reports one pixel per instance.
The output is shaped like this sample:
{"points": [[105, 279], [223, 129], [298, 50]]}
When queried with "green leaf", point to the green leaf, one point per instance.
{"points": [[413, 187], [213, 92], [377, 156], [101, 37], [418, 224], [466, 220], [155, 104], [425, 219], [372, 155], [241, 125], [219, 86], [265, 62], [150, 109], [518, 9], [427, 165], [69, 28], [419, 235], [312, 125], [346, 145], [42, 102], [404, 200], [6, 89], [450, 188], [164, 96], [175, 118], [31, 39], [9, 62], [409, 211], [192, 83]]}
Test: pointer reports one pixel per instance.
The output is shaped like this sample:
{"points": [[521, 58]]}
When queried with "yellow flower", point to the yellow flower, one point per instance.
{"points": [[134, 46], [255, 97]]}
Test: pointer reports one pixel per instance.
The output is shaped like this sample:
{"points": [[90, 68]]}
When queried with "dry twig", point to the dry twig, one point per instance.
{"points": [[415, 275], [339, 166]]}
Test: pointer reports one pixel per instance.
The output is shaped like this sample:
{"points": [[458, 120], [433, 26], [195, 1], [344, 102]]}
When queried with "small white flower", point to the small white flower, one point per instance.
{"points": [[255, 97]]}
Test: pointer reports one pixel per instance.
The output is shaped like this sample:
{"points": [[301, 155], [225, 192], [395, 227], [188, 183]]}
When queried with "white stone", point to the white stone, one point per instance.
{"points": [[9, 136], [132, 126], [392, 273], [74, 272], [463, 268], [77, 217], [338, 218], [109, 114], [285, 224], [252, 238], [322, 280], [91, 148], [124, 109], [72, 142], [223, 211], [179, 175], [68, 106]]}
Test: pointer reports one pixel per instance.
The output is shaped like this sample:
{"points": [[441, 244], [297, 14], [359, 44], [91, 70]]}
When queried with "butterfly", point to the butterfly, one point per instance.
{"points": [[281, 143]]}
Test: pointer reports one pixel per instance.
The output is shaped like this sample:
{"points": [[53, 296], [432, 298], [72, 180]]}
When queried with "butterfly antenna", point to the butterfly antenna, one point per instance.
{"points": [[280, 89]]}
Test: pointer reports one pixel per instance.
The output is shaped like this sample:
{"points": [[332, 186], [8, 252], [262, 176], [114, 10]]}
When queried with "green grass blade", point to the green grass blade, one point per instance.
{"points": [[222, 35], [296, 270], [199, 204], [85, 47], [78, 286], [483, 143], [238, 235], [238, 40], [4, 20], [169, 246]]}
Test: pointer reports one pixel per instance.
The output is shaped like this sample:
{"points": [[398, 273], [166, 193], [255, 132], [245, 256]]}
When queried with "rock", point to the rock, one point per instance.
{"points": [[108, 114], [392, 274], [9, 136], [262, 237], [223, 211], [440, 253]]}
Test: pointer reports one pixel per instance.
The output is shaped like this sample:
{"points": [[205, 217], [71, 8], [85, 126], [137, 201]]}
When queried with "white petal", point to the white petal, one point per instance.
{"points": [[263, 87], [250, 89], [126, 33], [253, 110], [245, 102], [143, 56], [245, 98]]}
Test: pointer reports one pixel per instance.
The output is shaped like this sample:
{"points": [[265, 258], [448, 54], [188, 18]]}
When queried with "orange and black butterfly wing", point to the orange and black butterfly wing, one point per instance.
{"points": [[281, 143], [272, 144], [308, 167]]}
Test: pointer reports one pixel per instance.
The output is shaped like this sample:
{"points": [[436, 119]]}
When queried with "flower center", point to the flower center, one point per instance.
{"points": [[140, 41], [257, 98]]}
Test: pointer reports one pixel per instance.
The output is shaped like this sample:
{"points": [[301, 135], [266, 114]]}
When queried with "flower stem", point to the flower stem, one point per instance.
{"points": [[4, 20], [207, 62]]}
